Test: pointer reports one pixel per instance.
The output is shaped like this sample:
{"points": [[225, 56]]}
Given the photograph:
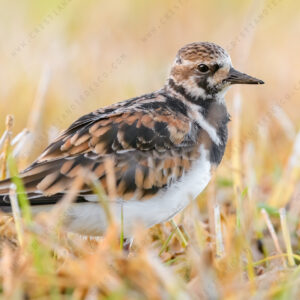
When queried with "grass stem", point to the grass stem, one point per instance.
{"points": [[218, 230], [286, 237], [6, 145], [16, 213], [273, 234], [179, 233]]}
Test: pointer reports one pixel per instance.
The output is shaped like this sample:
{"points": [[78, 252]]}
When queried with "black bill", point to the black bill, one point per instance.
{"points": [[236, 77]]}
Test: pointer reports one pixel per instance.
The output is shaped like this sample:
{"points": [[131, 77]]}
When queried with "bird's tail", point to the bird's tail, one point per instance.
{"points": [[30, 186], [35, 197], [30, 178]]}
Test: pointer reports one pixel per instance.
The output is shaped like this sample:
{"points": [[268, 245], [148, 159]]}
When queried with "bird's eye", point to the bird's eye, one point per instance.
{"points": [[203, 68]]}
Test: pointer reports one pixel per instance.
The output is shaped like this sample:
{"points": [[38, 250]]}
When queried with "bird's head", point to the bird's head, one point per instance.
{"points": [[204, 70]]}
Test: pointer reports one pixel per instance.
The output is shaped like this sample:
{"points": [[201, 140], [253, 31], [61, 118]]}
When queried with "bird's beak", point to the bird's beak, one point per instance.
{"points": [[236, 77]]}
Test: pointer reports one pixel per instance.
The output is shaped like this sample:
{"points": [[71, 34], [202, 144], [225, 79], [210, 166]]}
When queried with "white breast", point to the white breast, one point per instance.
{"points": [[89, 218]]}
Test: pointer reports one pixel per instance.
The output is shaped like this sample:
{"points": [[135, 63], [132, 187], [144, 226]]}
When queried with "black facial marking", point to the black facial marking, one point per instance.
{"points": [[205, 104], [215, 68], [202, 82], [181, 90]]}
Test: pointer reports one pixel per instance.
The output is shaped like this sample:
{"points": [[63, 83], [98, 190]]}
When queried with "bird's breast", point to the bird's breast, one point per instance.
{"points": [[212, 130]]}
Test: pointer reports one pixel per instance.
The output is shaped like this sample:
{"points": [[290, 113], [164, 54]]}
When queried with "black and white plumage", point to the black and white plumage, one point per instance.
{"points": [[162, 145]]}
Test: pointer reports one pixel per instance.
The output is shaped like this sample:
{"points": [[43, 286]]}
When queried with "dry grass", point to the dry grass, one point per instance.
{"points": [[241, 238]]}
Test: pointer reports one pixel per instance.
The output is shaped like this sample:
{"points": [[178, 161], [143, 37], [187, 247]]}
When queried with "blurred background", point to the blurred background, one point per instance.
{"points": [[61, 59]]}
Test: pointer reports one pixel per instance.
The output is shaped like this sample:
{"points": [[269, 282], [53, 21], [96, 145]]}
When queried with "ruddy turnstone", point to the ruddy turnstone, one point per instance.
{"points": [[162, 146]]}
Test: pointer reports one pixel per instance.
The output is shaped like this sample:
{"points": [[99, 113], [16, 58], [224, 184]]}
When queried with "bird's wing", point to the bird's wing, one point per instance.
{"points": [[149, 150]]}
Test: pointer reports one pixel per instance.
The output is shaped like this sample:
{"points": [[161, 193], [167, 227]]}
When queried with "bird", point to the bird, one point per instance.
{"points": [[162, 147]]}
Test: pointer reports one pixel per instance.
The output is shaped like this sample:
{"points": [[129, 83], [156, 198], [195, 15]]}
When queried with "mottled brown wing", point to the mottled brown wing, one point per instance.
{"points": [[137, 174], [149, 149], [138, 130]]}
